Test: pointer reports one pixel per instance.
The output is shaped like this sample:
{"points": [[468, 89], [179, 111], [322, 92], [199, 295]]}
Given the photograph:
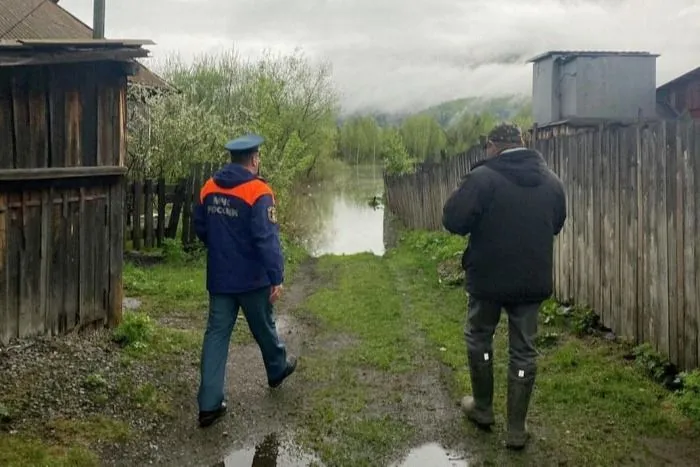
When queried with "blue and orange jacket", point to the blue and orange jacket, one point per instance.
{"points": [[235, 218]]}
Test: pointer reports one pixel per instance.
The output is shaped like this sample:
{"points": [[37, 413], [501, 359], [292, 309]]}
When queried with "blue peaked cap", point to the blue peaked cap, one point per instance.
{"points": [[244, 143]]}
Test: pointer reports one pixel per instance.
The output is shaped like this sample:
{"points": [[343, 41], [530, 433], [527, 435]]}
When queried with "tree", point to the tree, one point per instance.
{"points": [[289, 101], [423, 137]]}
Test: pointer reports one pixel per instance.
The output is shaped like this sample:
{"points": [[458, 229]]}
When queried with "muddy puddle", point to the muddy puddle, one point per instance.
{"points": [[274, 452], [271, 452], [432, 455]]}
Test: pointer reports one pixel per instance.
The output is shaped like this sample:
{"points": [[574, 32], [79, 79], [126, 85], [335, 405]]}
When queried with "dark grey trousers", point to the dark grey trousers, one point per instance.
{"points": [[482, 319]]}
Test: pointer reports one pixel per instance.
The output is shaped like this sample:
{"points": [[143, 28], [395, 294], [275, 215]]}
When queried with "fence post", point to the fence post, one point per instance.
{"points": [[160, 233], [187, 207], [196, 183], [138, 206], [148, 212]]}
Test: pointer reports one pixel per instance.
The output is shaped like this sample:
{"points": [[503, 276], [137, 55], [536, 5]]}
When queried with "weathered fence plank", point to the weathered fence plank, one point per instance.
{"points": [[629, 248]]}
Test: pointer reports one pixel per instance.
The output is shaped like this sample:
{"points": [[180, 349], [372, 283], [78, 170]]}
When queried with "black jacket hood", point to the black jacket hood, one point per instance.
{"points": [[521, 166]]}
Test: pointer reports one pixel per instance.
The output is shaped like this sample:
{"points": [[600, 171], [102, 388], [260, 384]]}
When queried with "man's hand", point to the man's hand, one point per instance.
{"points": [[275, 293]]}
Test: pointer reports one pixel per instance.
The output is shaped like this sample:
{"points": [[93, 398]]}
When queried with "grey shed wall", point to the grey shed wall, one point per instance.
{"points": [[608, 87]]}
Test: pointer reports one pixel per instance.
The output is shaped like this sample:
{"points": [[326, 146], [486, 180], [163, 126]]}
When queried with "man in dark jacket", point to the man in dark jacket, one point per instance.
{"points": [[511, 206], [236, 219]]}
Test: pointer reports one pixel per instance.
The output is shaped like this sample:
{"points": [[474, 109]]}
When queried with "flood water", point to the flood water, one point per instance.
{"points": [[272, 452], [339, 214]]}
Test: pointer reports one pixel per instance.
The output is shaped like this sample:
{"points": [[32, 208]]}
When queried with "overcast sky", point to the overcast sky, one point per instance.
{"points": [[396, 54]]}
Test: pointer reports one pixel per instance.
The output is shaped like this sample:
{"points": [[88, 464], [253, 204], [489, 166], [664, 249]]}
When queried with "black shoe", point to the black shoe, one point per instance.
{"points": [[291, 366], [208, 418]]}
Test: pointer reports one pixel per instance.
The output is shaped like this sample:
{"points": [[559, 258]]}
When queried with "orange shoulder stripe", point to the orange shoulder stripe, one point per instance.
{"points": [[248, 191]]}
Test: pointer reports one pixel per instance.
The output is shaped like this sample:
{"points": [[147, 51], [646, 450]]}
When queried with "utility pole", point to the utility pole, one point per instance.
{"points": [[98, 19]]}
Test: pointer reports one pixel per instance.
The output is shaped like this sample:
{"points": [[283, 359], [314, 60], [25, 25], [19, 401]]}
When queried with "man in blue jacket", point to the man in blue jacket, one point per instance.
{"points": [[236, 219]]}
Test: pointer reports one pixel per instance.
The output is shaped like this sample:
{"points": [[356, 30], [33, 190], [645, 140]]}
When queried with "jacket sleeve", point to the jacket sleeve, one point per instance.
{"points": [[265, 233], [465, 205], [200, 221], [559, 208]]}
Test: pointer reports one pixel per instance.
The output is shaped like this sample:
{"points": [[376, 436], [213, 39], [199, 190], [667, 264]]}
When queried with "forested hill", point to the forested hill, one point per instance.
{"points": [[449, 128], [449, 112]]}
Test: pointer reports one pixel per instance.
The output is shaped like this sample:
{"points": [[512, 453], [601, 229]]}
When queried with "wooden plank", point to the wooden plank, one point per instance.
{"points": [[187, 207], [685, 208], [22, 122], [662, 269], [647, 240], [73, 116], [57, 268], [31, 321], [605, 271], [160, 234], [673, 280], [57, 118], [5, 310], [197, 184], [60, 173], [629, 218], [178, 202], [71, 282], [148, 213], [136, 230], [107, 129], [13, 224], [597, 156], [696, 227], [7, 124], [83, 260], [89, 115], [122, 120], [45, 317], [616, 288], [100, 267], [116, 250]]}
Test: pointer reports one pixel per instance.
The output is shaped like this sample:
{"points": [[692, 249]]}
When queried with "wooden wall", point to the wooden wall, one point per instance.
{"points": [[630, 247], [61, 197]]}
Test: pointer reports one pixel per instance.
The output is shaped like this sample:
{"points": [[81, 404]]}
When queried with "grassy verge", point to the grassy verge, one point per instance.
{"points": [[354, 413], [591, 407], [118, 385]]}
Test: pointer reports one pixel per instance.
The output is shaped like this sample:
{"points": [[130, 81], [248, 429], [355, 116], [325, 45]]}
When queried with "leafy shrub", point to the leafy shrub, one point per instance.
{"points": [[688, 398], [135, 330], [437, 246]]}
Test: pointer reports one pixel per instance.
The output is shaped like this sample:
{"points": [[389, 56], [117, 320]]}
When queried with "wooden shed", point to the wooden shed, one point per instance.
{"points": [[62, 151]]}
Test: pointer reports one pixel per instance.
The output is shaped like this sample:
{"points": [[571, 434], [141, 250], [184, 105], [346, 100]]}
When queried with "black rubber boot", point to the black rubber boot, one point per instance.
{"points": [[479, 405], [520, 385]]}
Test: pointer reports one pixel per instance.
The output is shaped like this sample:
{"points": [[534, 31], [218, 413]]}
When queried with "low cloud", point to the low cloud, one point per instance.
{"points": [[395, 55]]}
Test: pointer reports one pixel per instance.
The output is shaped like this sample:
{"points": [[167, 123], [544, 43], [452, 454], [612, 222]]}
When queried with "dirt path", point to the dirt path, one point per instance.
{"points": [[419, 401]]}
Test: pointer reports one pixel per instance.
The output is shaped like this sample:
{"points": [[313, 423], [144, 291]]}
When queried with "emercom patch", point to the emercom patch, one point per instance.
{"points": [[272, 214]]}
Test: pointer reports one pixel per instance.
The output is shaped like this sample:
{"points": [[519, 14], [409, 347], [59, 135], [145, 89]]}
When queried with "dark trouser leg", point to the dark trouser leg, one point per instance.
{"points": [[482, 319], [522, 369], [223, 310], [260, 316]]}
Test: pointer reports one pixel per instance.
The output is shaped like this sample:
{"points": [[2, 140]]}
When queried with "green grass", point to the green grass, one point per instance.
{"points": [[22, 451], [590, 406], [353, 414], [67, 442]]}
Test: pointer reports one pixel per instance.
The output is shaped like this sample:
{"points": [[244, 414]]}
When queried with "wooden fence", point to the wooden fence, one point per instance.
{"points": [[156, 210], [630, 247]]}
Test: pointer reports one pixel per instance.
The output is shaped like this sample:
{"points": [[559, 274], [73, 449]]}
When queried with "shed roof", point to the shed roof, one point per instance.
{"points": [[46, 20], [589, 53], [692, 74], [44, 52]]}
